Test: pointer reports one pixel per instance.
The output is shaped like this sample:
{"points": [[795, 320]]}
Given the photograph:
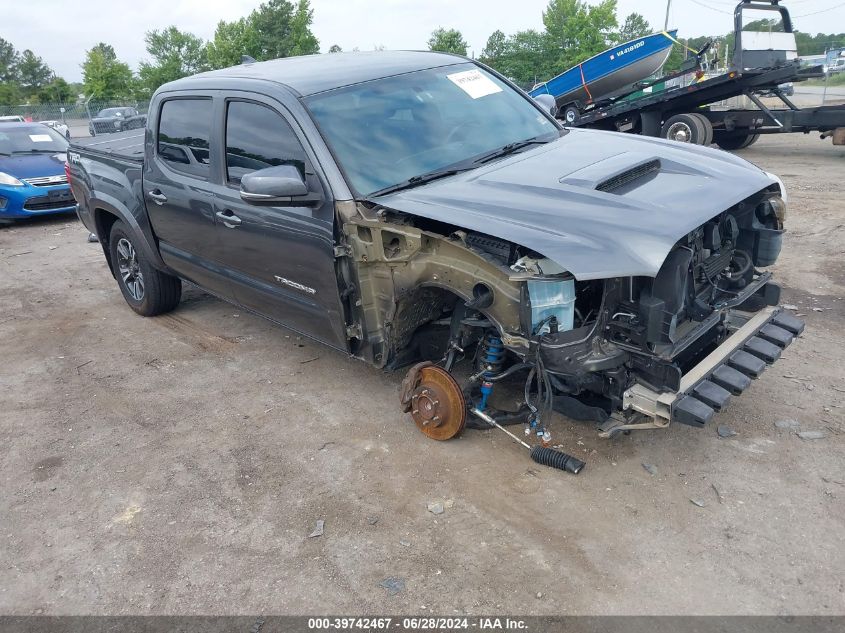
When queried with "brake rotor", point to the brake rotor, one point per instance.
{"points": [[437, 403]]}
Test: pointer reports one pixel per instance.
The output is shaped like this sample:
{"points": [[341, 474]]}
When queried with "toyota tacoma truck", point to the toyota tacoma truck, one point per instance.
{"points": [[417, 210]]}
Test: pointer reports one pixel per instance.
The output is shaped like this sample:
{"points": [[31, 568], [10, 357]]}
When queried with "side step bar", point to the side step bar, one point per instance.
{"points": [[727, 371]]}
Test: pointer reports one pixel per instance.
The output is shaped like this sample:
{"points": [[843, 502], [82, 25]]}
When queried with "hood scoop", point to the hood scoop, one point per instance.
{"points": [[629, 176], [611, 173]]}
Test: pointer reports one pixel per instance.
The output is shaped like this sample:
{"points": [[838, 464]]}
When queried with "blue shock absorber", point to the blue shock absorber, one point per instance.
{"points": [[492, 360]]}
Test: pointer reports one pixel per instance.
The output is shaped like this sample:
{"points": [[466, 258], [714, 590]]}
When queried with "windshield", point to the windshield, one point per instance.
{"points": [[30, 139], [385, 131], [110, 112]]}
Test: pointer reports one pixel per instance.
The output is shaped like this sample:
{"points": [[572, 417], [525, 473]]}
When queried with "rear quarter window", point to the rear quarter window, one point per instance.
{"points": [[184, 135]]}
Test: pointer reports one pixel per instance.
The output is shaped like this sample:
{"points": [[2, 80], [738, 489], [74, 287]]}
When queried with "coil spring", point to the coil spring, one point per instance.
{"points": [[491, 355]]}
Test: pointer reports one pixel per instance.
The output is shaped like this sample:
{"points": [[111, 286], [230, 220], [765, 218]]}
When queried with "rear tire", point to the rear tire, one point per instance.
{"points": [[707, 141], [752, 138], [571, 114], [147, 290], [730, 141], [684, 128]]}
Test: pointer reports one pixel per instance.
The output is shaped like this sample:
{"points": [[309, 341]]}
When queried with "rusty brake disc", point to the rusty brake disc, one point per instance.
{"points": [[437, 403]]}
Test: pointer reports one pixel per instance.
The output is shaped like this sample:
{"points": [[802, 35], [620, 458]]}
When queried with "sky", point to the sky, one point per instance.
{"points": [[60, 32]]}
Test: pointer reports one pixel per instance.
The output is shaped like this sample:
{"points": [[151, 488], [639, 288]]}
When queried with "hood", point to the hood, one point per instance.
{"points": [[600, 204], [33, 165]]}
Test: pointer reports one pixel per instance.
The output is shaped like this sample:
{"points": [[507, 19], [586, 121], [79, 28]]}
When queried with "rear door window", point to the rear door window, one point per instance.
{"points": [[184, 134], [258, 137]]}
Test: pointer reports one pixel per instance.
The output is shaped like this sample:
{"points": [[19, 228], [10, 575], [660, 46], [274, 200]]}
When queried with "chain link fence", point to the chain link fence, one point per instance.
{"points": [[75, 115]]}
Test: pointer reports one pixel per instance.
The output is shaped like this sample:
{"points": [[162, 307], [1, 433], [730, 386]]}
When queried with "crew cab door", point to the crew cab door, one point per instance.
{"points": [[280, 259], [177, 189]]}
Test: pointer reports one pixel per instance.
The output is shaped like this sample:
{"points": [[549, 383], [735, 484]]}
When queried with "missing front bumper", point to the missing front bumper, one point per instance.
{"points": [[726, 372]]}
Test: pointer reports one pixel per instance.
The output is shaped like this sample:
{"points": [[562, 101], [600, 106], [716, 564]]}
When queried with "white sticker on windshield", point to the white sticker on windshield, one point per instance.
{"points": [[40, 138], [474, 83]]}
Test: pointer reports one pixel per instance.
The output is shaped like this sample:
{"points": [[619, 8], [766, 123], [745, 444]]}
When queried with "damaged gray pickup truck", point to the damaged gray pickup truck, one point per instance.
{"points": [[417, 210]]}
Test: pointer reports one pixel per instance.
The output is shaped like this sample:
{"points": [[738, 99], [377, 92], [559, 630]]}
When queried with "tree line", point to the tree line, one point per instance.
{"points": [[277, 28], [572, 32], [25, 77]]}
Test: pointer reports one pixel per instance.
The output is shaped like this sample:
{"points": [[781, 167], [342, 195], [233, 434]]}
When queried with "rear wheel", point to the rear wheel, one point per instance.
{"points": [[684, 128], [707, 140], [147, 290], [571, 114], [752, 138], [731, 141]]}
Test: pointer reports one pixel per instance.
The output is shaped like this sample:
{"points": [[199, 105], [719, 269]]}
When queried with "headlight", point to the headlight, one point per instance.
{"points": [[781, 185], [778, 206], [117, 124], [6, 179]]}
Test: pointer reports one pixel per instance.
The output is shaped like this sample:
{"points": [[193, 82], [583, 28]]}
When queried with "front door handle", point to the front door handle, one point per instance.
{"points": [[229, 218], [157, 196]]}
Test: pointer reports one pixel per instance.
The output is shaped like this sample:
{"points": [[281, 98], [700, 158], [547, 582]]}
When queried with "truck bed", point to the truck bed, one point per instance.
{"points": [[127, 145]]}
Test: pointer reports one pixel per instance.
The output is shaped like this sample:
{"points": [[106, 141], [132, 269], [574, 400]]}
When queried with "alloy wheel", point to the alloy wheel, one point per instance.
{"points": [[130, 269]]}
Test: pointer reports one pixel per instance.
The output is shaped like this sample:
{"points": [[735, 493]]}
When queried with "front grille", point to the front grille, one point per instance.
{"points": [[627, 177], [47, 181], [59, 200], [106, 127]]}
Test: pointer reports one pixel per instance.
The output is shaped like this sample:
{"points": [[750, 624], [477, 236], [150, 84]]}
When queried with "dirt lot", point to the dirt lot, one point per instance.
{"points": [[178, 464]]}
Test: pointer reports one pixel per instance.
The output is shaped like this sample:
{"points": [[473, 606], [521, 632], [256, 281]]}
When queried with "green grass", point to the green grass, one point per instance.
{"points": [[836, 79]]}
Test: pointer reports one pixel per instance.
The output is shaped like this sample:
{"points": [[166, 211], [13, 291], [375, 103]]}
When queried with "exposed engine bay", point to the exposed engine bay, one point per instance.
{"points": [[449, 302]]}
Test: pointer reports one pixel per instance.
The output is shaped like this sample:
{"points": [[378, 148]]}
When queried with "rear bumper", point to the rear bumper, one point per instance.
{"points": [[757, 341]]}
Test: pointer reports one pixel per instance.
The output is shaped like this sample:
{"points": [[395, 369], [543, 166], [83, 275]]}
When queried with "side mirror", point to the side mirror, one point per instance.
{"points": [[547, 102], [278, 185]]}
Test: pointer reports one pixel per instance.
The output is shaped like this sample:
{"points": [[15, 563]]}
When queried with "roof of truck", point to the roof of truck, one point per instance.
{"points": [[310, 74]]}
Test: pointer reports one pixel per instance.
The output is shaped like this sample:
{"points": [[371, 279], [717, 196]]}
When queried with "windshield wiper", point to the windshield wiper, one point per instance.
{"points": [[510, 148], [416, 181]]}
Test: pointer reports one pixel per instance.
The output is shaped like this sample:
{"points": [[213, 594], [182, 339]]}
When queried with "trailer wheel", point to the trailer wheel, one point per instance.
{"points": [[734, 141], [708, 129], [684, 128], [571, 114], [752, 138]]}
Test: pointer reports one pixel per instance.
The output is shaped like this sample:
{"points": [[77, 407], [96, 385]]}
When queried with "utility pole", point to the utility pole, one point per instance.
{"points": [[666, 23]]}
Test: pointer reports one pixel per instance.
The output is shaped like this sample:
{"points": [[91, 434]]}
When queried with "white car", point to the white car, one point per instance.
{"points": [[13, 118], [60, 127]]}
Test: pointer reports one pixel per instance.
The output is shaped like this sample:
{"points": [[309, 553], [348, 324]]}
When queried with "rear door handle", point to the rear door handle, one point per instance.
{"points": [[157, 196], [228, 218]]}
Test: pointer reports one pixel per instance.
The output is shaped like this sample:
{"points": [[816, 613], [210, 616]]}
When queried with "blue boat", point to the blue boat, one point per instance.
{"points": [[608, 74]]}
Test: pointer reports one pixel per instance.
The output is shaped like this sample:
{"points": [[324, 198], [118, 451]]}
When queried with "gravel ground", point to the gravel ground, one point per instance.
{"points": [[178, 464]]}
